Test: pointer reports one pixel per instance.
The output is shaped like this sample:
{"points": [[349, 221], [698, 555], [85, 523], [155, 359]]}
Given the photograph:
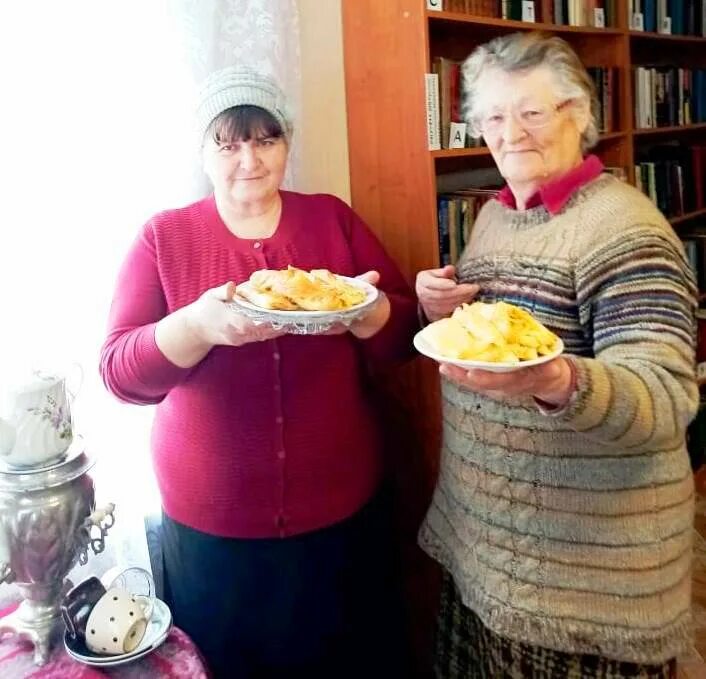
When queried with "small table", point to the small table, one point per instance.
{"points": [[176, 657]]}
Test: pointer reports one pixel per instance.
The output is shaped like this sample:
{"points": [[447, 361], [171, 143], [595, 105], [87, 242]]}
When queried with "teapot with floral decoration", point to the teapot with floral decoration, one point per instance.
{"points": [[35, 418]]}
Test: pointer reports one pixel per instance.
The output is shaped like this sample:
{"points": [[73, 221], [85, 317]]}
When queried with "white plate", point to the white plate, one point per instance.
{"points": [[308, 322], [157, 631], [423, 347]]}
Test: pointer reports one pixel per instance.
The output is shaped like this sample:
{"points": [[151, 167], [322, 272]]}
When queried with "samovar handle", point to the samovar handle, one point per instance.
{"points": [[102, 519]]}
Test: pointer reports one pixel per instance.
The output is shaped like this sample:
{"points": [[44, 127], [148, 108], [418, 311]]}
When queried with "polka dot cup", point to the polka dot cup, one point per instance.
{"points": [[117, 622]]}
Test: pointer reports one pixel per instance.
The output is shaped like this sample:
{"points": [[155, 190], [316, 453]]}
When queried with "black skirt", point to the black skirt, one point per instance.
{"points": [[321, 604]]}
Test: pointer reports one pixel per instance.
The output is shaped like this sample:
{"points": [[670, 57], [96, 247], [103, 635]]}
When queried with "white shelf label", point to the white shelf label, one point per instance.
{"points": [[599, 17], [437, 5], [528, 10], [457, 136], [638, 22]]}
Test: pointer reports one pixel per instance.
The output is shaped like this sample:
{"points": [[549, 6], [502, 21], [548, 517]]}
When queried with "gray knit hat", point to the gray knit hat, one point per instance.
{"points": [[236, 86]]}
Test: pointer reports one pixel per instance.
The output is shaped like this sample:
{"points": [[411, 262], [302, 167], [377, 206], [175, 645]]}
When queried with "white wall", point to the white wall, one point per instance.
{"points": [[323, 143]]}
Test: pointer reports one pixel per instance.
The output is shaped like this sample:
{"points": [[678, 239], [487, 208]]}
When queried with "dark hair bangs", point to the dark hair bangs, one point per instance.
{"points": [[243, 123]]}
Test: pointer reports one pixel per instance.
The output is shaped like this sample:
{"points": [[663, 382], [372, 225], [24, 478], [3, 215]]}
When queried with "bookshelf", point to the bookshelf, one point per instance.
{"points": [[663, 38], [671, 129], [388, 47], [483, 151], [688, 217]]}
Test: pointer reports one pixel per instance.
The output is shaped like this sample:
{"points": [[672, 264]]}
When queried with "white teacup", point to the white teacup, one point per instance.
{"points": [[117, 622]]}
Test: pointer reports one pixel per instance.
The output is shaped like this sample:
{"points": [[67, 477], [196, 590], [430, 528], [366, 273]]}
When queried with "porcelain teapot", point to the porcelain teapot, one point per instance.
{"points": [[35, 418]]}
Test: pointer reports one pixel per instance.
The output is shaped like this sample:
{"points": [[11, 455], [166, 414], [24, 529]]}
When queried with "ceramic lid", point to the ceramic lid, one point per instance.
{"points": [[19, 381]]}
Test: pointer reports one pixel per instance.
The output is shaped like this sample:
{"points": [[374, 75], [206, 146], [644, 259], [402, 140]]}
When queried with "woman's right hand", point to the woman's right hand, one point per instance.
{"points": [[439, 293], [214, 324]]}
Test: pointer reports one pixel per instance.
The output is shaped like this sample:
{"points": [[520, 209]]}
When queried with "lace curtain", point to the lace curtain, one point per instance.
{"points": [[96, 136]]}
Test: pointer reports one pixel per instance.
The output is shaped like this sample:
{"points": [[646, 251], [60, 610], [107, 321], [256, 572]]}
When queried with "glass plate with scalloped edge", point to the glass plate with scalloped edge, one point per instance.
{"points": [[308, 322], [423, 347]]}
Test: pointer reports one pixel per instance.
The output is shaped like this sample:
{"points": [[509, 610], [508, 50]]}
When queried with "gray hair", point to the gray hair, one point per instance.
{"points": [[527, 50]]}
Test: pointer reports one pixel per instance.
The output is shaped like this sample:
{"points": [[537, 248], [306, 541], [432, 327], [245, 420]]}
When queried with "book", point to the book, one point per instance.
{"points": [[431, 84], [692, 255], [678, 172], [699, 257], [457, 212], [515, 10], [559, 17], [454, 6], [698, 166], [650, 16], [443, 216], [487, 8], [675, 10], [603, 80]]}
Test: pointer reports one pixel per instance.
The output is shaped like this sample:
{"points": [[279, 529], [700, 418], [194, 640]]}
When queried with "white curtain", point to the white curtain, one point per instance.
{"points": [[96, 136]]}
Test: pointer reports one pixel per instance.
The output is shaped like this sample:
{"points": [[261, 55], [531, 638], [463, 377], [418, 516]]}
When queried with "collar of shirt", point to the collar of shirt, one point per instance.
{"points": [[555, 194]]}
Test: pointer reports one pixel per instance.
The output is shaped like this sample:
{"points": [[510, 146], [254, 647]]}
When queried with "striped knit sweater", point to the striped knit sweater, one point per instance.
{"points": [[571, 529]]}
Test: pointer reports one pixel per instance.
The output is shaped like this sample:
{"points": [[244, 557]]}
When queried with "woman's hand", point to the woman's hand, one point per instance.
{"points": [[375, 320], [212, 323], [188, 334], [552, 382], [439, 293]]}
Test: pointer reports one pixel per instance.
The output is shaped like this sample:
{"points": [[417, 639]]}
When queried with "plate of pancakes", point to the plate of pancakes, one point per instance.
{"points": [[303, 302], [498, 337]]}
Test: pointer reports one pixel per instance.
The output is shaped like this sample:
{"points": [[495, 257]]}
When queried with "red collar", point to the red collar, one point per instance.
{"points": [[555, 195]]}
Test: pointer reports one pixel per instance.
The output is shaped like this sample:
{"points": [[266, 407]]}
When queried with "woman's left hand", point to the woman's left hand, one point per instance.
{"points": [[551, 382], [375, 320]]}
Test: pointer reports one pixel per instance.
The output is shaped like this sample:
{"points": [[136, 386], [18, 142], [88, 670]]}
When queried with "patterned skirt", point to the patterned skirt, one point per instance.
{"points": [[467, 649]]}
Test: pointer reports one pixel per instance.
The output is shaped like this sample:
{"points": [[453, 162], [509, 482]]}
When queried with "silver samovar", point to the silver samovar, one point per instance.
{"points": [[48, 523]]}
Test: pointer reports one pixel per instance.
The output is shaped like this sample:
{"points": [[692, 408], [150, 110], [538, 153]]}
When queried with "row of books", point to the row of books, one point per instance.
{"points": [[481, 8], [457, 214], [674, 177], [518, 10], [448, 74], [568, 12], [675, 17], [667, 96], [597, 13], [604, 79], [449, 95], [695, 249]]}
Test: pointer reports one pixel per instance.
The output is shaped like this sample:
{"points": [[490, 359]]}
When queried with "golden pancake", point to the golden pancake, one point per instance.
{"points": [[293, 289]]}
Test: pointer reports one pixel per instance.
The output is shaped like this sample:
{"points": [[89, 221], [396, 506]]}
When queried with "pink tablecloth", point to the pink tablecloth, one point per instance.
{"points": [[177, 657]]}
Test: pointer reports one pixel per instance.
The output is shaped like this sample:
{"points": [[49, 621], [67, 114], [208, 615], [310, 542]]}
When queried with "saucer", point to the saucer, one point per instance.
{"points": [[157, 631], [74, 450]]}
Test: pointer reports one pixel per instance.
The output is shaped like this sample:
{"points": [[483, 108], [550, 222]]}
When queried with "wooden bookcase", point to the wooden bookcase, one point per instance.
{"points": [[388, 47]]}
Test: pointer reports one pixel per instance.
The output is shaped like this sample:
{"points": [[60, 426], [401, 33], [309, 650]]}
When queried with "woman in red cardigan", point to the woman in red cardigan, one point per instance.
{"points": [[265, 445]]}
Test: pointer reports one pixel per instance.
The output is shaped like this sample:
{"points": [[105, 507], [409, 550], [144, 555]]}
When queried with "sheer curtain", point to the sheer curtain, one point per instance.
{"points": [[96, 136]]}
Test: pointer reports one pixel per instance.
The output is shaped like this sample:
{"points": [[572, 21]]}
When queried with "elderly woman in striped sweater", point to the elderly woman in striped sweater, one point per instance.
{"points": [[563, 511]]}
